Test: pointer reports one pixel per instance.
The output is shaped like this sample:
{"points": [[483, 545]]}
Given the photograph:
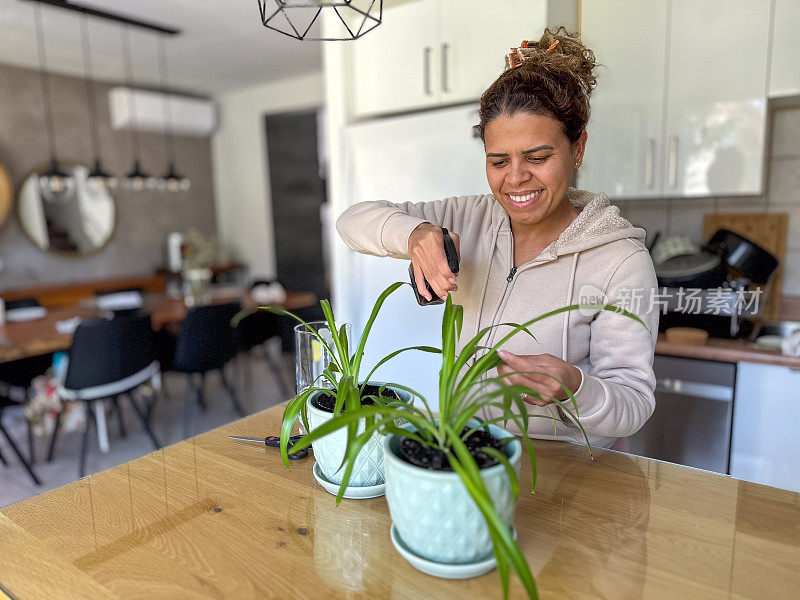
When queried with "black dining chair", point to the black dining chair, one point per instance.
{"points": [[206, 342], [15, 385], [109, 359], [6, 403], [22, 303], [257, 329]]}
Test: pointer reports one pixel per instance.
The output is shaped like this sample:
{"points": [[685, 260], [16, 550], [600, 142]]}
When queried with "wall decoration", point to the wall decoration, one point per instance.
{"points": [[81, 223], [6, 194]]}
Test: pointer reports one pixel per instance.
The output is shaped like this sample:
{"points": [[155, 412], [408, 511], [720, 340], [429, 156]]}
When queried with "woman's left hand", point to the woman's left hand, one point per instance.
{"points": [[548, 372]]}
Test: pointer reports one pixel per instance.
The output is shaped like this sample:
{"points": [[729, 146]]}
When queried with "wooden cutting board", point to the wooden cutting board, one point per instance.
{"points": [[768, 230]]}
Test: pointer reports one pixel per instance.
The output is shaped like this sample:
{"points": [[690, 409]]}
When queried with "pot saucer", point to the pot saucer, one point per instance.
{"points": [[444, 570], [354, 493]]}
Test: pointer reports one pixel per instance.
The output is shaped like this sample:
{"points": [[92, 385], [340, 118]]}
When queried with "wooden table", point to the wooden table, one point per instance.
{"points": [[213, 518], [33, 338]]}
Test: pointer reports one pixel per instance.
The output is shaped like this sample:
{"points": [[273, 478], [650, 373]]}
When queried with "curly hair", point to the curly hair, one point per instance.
{"points": [[552, 76]]}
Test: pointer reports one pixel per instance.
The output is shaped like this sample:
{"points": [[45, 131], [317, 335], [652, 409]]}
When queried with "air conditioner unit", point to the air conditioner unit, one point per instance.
{"points": [[189, 116]]}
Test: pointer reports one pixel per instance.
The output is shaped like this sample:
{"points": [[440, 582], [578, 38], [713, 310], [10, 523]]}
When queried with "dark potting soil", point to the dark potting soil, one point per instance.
{"points": [[327, 402], [434, 459]]}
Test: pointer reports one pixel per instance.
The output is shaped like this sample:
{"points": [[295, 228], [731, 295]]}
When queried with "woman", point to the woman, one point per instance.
{"points": [[535, 245]]}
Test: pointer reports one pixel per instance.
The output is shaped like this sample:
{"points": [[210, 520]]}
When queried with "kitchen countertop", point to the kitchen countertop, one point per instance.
{"points": [[726, 351], [213, 518]]}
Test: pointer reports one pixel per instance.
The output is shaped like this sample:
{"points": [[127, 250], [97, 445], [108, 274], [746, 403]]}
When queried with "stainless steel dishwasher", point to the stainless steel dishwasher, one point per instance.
{"points": [[692, 421]]}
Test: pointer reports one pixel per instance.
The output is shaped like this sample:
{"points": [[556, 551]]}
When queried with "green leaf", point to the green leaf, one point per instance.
{"points": [[370, 321], [503, 459], [341, 350], [472, 346], [459, 316], [348, 417], [241, 315], [414, 394], [563, 309], [391, 428], [276, 310], [351, 453], [389, 357], [504, 544], [290, 413], [344, 340], [328, 375]]}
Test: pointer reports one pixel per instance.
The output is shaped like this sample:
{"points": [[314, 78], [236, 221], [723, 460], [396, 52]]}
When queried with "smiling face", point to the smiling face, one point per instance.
{"points": [[529, 165]]}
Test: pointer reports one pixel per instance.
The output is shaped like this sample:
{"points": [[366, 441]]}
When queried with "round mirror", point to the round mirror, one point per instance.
{"points": [[6, 194], [79, 221]]}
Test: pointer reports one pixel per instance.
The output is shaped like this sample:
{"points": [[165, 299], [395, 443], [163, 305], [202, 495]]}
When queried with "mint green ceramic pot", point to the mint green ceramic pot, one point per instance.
{"points": [[434, 514], [329, 450]]}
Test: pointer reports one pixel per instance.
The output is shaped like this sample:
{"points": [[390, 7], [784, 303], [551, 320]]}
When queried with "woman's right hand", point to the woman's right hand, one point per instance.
{"points": [[426, 249]]}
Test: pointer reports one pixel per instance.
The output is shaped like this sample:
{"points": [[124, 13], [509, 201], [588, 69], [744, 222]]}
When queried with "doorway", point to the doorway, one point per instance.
{"points": [[298, 190]]}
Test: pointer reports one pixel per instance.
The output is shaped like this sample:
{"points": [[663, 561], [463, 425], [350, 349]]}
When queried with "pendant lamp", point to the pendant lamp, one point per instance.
{"points": [[98, 177], [300, 19], [172, 180], [137, 179], [54, 184]]}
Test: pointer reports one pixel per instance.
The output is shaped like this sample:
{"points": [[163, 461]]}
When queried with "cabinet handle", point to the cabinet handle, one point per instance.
{"points": [[673, 161], [648, 165], [426, 73], [445, 74]]}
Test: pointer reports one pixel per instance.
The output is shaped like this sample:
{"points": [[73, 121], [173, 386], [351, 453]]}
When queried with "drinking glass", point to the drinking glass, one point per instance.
{"points": [[312, 357]]}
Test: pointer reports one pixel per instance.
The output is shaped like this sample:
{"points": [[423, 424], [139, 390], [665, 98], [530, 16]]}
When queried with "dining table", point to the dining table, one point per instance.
{"points": [[25, 339], [211, 517]]}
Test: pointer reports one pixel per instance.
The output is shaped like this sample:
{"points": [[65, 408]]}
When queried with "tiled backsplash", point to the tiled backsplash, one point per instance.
{"points": [[782, 194]]}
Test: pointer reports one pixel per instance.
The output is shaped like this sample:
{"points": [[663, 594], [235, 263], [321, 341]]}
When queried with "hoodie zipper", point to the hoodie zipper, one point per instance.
{"points": [[509, 284], [501, 305]]}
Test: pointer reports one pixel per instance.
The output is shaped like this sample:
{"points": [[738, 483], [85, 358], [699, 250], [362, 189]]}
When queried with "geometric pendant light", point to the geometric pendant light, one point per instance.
{"points": [[301, 20], [172, 180], [97, 177], [54, 184]]}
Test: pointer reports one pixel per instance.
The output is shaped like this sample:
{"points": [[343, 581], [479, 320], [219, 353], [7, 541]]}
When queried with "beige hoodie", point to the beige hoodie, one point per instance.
{"points": [[598, 254]]}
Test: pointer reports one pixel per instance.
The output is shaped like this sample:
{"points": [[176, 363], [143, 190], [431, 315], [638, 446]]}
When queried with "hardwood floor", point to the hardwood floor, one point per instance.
{"points": [[254, 382]]}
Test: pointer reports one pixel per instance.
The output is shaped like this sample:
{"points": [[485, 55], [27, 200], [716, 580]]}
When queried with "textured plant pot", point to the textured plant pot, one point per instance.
{"points": [[329, 450], [434, 514]]}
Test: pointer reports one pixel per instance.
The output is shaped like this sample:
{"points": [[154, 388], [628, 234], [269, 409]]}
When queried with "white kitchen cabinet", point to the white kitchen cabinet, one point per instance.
{"points": [[716, 97], [624, 143], [765, 445], [474, 39], [395, 67], [437, 52], [703, 66], [784, 79]]}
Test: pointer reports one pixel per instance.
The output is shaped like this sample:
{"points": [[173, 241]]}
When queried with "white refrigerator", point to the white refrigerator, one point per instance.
{"points": [[418, 158]]}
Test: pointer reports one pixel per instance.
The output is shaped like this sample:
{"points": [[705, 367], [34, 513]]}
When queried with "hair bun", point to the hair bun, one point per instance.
{"points": [[557, 52]]}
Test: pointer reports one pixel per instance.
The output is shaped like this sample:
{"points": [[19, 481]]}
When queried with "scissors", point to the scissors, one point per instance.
{"points": [[275, 442]]}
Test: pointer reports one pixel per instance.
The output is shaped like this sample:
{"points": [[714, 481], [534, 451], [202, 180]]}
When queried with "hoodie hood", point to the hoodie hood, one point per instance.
{"points": [[598, 223]]}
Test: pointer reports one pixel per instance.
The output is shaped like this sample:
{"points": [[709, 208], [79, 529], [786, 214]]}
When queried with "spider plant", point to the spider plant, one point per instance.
{"points": [[464, 389], [343, 374]]}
